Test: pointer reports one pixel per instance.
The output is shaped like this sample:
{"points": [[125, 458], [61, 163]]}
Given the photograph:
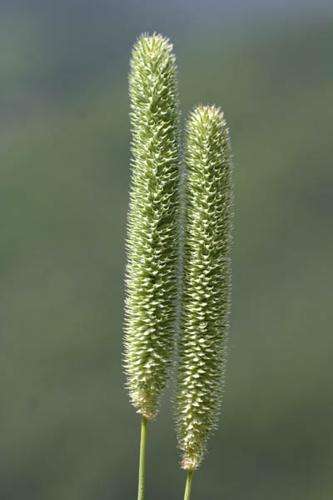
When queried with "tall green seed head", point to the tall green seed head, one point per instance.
{"points": [[207, 280], [152, 221]]}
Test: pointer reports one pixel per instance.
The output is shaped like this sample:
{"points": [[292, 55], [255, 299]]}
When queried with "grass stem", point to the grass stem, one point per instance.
{"points": [[142, 462], [188, 486]]}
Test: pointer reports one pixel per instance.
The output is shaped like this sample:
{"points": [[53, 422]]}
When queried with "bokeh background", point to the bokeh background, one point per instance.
{"points": [[67, 431]]}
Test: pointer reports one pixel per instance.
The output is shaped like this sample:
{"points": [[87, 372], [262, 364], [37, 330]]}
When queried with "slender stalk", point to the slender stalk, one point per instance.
{"points": [[142, 462], [188, 486]]}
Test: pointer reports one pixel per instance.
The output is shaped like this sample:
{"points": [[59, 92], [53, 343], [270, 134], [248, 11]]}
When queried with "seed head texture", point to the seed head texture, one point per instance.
{"points": [[152, 238], [206, 281]]}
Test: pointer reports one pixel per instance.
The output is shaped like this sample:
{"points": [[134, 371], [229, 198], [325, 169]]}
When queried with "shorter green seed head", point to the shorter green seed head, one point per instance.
{"points": [[206, 282]]}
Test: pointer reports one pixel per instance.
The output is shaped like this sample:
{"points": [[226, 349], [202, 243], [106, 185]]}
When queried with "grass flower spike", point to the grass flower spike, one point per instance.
{"points": [[152, 222], [152, 242], [206, 285]]}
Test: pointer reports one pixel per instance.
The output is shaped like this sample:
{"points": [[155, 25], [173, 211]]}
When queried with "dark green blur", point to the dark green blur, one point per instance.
{"points": [[67, 430]]}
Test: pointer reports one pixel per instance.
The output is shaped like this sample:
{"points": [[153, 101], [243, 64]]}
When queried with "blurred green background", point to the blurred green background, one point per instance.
{"points": [[67, 430]]}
